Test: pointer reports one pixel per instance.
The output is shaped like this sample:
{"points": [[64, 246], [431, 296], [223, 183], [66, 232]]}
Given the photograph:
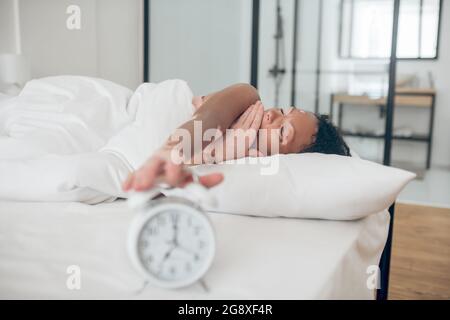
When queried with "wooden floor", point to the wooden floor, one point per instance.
{"points": [[420, 265]]}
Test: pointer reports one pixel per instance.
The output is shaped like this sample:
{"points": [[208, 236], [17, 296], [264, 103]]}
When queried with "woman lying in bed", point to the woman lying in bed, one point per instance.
{"points": [[238, 107]]}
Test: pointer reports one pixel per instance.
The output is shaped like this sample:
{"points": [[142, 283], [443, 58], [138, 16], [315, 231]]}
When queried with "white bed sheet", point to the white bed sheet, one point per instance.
{"points": [[257, 258]]}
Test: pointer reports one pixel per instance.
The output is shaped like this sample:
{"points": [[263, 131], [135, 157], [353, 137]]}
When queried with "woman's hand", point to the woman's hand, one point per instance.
{"points": [[238, 142], [160, 169]]}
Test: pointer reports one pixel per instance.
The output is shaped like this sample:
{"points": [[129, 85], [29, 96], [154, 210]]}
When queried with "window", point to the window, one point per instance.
{"points": [[366, 29]]}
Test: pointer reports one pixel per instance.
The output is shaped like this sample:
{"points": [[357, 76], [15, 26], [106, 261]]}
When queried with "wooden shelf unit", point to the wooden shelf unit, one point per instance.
{"points": [[405, 97]]}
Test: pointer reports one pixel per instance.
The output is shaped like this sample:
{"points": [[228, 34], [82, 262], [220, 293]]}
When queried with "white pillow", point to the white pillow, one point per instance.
{"points": [[309, 185]]}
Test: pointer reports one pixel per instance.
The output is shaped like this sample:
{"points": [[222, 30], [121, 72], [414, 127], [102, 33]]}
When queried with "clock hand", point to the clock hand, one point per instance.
{"points": [[166, 256], [186, 249], [175, 228], [178, 246], [169, 252]]}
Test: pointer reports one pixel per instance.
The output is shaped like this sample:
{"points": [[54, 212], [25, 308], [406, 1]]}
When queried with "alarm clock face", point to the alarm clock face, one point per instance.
{"points": [[175, 244]]}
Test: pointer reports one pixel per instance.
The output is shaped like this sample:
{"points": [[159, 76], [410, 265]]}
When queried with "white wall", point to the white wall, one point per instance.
{"points": [[205, 42], [8, 27], [120, 47], [441, 73], [107, 45]]}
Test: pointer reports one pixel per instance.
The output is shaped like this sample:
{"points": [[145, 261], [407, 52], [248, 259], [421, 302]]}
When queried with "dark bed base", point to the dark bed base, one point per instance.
{"points": [[385, 261]]}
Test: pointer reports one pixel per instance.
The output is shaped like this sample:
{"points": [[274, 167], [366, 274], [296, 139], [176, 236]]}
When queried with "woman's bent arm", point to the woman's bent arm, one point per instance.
{"points": [[218, 111]]}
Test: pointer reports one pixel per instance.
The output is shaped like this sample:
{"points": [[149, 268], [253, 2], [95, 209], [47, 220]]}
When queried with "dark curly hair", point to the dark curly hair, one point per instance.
{"points": [[328, 139]]}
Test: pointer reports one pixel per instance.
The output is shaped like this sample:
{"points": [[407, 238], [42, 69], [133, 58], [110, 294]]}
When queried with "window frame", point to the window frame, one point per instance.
{"points": [[350, 57]]}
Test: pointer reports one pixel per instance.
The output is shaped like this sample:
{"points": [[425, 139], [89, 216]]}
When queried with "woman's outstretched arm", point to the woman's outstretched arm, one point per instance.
{"points": [[218, 111]]}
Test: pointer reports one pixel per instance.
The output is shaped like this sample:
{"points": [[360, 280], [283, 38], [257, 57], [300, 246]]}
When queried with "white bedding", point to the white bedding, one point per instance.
{"points": [[73, 138], [257, 258]]}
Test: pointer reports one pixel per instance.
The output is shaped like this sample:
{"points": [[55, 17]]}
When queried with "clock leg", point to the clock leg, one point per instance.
{"points": [[139, 291], [203, 284]]}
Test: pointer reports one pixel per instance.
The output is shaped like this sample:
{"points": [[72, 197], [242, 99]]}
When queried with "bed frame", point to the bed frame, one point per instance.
{"points": [[385, 261]]}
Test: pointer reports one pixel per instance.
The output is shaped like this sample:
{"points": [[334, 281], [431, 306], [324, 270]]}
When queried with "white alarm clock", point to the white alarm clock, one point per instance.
{"points": [[171, 240]]}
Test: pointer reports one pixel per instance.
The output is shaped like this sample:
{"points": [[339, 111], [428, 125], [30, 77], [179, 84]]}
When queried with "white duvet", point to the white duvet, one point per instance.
{"points": [[73, 138]]}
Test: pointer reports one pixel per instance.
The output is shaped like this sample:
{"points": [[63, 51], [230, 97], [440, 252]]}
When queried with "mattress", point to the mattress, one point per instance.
{"points": [[256, 257], [4, 97]]}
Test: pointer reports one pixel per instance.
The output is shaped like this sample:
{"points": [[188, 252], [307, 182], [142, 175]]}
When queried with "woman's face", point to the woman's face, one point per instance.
{"points": [[293, 128]]}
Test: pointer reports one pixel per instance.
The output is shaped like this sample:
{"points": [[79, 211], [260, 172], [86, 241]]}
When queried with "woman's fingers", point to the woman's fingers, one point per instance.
{"points": [[240, 121], [146, 175], [255, 153], [128, 182], [158, 170], [208, 181], [251, 117], [242, 118], [253, 124], [174, 173], [246, 122], [258, 117]]}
